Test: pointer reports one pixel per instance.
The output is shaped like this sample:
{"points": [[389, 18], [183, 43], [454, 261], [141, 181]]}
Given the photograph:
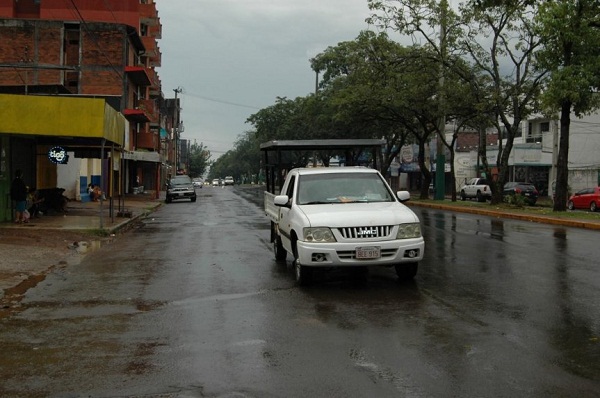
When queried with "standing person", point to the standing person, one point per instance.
{"points": [[18, 193]]}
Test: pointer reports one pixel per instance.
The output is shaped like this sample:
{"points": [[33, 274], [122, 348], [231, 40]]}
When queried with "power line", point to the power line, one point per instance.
{"points": [[220, 101]]}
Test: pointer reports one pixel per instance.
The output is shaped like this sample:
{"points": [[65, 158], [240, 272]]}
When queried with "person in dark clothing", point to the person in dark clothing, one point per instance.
{"points": [[33, 203], [18, 193]]}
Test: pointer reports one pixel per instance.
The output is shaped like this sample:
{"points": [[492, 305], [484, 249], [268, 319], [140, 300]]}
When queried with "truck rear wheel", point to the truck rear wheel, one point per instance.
{"points": [[406, 271], [480, 197], [280, 253]]}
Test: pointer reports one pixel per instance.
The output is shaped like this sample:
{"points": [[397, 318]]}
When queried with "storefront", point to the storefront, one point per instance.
{"points": [[33, 129]]}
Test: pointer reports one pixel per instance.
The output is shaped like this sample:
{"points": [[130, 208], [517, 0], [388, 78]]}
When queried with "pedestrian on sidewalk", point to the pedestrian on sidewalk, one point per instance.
{"points": [[18, 193]]}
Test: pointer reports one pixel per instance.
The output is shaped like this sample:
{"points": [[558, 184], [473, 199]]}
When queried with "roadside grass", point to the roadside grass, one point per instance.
{"points": [[543, 207]]}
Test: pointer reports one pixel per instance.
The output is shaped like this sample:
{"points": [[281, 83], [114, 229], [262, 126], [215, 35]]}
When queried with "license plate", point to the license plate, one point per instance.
{"points": [[180, 194], [368, 252]]}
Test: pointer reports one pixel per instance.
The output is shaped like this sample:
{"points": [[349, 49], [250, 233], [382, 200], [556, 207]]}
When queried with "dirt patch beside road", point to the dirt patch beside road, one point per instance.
{"points": [[27, 255], [25, 238]]}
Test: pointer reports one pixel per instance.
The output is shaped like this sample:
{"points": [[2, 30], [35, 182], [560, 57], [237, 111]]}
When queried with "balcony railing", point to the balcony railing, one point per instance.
{"points": [[148, 14], [150, 108], [148, 141], [138, 75]]}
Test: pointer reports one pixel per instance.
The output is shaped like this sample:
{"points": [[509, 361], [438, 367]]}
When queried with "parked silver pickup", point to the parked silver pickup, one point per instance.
{"points": [[476, 188]]}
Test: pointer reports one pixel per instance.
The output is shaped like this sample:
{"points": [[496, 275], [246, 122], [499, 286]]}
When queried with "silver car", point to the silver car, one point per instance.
{"points": [[180, 187]]}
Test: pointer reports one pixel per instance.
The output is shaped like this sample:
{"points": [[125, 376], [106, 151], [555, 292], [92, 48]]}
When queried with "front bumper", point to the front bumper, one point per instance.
{"points": [[338, 254], [181, 195]]}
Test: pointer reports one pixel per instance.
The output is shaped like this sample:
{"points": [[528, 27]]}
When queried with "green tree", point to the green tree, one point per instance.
{"points": [[497, 38], [571, 36], [368, 83], [199, 158]]}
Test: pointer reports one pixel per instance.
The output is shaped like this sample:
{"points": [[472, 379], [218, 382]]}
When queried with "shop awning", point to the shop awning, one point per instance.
{"points": [[65, 117]]}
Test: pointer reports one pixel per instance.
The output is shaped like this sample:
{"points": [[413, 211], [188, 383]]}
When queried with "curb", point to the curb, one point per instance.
{"points": [[506, 214]]}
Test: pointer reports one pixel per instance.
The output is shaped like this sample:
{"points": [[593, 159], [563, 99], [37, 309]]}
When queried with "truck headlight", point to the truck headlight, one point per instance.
{"points": [[407, 231], [318, 235]]}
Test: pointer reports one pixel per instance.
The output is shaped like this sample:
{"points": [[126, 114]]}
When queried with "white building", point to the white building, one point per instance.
{"points": [[535, 153]]}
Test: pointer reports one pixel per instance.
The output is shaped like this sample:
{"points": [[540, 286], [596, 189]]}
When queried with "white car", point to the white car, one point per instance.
{"points": [[344, 217], [476, 188], [215, 182], [229, 180]]}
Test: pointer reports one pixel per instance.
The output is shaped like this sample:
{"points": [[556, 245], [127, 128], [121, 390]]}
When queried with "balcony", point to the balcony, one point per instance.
{"points": [[150, 45], [138, 75], [155, 86], [148, 141], [156, 30], [156, 60], [136, 115], [145, 111], [148, 14], [150, 108]]}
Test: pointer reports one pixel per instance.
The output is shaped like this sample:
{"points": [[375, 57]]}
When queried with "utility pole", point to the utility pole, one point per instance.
{"points": [[440, 162], [176, 127]]}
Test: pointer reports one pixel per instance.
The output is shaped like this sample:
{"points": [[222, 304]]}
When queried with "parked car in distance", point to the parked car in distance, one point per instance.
{"points": [[215, 182], [180, 187], [588, 198], [525, 189], [477, 188], [228, 180]]}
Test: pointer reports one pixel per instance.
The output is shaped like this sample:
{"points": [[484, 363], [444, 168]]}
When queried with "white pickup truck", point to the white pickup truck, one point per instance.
{"points": [[476, 188], [343, 217]]}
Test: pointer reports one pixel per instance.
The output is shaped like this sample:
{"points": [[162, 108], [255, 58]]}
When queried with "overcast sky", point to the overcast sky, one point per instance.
{"points": [[234, 57]]}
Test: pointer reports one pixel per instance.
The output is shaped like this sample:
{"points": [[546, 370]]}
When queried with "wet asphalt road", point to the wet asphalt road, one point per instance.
{"points": [[192, 304]]}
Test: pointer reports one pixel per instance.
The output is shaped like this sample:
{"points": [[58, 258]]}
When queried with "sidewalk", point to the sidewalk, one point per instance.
{"points": [[51, 242], [94, 215]]}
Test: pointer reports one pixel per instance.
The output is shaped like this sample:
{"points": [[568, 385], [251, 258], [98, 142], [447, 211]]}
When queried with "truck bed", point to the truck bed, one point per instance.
{"points": [[270, 209]]}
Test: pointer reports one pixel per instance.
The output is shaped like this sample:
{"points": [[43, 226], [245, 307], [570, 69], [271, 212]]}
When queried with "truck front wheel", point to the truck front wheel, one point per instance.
{"points": [[406, 271], [280, 253], [303, 273]]}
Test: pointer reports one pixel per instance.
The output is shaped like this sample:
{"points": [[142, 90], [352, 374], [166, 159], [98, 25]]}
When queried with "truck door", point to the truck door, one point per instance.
{"points": [[285, 228]]}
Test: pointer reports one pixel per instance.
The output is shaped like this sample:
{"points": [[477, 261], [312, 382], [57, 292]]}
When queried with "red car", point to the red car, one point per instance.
{"points": [[588, 198]]}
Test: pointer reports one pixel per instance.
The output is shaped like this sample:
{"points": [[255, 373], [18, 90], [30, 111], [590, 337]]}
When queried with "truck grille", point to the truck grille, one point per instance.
{"points": [[365, 232]]}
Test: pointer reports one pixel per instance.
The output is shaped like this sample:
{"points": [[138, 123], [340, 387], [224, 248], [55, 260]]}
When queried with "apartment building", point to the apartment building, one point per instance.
{"points": [[84, 50]]}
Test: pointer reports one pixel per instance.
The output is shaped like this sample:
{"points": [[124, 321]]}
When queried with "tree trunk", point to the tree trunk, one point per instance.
{"points": [[562, 166], [425, 173]]}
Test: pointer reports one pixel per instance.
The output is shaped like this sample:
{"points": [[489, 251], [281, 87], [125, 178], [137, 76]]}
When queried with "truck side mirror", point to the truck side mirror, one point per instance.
{"points": [[403, 196], [281, 200]]}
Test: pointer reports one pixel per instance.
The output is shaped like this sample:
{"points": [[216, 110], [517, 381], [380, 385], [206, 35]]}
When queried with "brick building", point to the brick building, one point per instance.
{"points": [[89, 49]]}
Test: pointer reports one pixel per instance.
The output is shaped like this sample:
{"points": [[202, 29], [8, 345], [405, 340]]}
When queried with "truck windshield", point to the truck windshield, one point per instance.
{"points": [[342, 188]]}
